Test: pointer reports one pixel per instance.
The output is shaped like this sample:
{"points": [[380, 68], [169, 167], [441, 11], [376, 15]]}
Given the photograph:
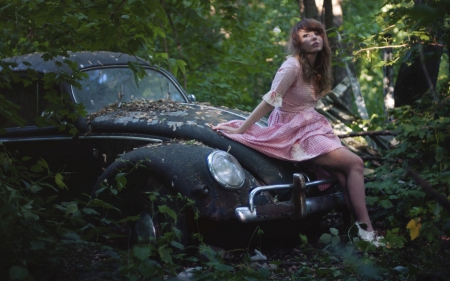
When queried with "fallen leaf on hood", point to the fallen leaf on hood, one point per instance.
{"points": [[147, 107]]}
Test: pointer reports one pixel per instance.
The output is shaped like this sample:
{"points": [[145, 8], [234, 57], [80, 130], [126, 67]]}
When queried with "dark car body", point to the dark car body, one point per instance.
{"points": [[168, 136]]}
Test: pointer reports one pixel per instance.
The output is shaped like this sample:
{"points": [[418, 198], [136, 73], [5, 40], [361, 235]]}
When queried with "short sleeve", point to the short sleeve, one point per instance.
{"points": [[287, 74]]}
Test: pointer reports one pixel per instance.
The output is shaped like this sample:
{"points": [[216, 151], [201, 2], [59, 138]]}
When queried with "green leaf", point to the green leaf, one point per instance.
{"points": [[141, 252], [325, 238], [437, 210], [162, 55], [72, 208], [90, 211], [337, 273], [36, 168], [445, 176], [178, 233], [59, 181], [166, 210], [182, 66], [424, 37], [334, 231], [173, 66], [386, 203], [401, 269], [18, 272], [303, 238], [264, 272], [121, 180], [335, 240], [406, 128], [147, 269], [35, 188], [177, 245], [164, 254], [159, 31], [220, 266]]}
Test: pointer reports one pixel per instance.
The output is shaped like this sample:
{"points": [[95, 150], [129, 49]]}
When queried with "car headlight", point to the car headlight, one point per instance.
{"points": [[226, 170]]}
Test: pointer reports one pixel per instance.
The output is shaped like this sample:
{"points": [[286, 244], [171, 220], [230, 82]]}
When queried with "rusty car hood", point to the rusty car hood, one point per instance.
{"points": [[167, 113], [187, 121]]}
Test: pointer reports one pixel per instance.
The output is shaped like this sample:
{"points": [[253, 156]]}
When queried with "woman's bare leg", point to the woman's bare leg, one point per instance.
{"points": [[349, 169], [343, 181]]}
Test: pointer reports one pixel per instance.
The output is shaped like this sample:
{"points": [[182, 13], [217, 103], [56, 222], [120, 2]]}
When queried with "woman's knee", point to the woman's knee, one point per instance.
{"points": [[357, 163], [352, 162]]}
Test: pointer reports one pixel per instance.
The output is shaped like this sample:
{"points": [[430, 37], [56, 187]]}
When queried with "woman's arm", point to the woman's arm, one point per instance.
{"points": [[260, 111]]}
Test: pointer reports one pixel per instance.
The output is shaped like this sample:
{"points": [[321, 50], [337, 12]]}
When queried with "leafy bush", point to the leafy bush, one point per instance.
{"points": [[43, 238], [39, 234], [423, 146]]}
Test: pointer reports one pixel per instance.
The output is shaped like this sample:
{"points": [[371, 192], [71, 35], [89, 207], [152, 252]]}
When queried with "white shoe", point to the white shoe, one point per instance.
{"points": [[369, 236]]}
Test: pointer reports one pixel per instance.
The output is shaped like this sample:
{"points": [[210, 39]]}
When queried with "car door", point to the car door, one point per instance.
{"points": [[60, 150]]}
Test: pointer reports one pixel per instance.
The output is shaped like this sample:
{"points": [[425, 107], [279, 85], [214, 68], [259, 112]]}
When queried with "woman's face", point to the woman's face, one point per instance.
{"points": [[310, 41]]}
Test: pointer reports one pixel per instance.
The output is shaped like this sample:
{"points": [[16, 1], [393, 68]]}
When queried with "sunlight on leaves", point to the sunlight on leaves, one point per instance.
{"points": [[414, 227]]}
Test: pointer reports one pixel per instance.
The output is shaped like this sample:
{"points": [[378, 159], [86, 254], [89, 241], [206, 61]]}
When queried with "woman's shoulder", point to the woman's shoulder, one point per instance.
{"points": [[291, 61], [291, 64]]}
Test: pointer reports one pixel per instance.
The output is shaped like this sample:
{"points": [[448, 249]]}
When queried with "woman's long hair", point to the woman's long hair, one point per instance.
{"points": [[320, 73]]}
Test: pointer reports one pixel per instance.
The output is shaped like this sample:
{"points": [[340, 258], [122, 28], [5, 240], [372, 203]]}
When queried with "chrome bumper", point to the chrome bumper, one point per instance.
{"points": [[298, 207]]}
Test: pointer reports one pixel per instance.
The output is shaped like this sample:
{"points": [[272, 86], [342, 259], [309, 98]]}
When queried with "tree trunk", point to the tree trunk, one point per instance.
{"points": [[418, 74], [329, 18], [310, 9], [332, 16], [388, 83]]}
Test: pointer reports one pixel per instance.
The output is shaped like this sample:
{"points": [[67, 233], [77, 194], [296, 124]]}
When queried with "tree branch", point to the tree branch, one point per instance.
{"points": [[118, 7], [370, 133], [390, 46], [368, 158], [377, 47], [429, 190]]}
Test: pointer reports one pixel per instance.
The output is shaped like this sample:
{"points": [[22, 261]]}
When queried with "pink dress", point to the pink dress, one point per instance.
{"points": [[296, 131]]}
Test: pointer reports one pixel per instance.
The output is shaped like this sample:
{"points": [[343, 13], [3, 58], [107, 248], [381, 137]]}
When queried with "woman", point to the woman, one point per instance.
{"points": [[296, 132]]}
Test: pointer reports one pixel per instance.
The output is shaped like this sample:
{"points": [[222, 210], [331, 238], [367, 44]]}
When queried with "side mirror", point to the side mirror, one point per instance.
{"points": [[192, 98]]}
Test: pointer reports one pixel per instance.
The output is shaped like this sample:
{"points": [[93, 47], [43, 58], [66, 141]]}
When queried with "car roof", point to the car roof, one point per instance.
{"points": [[83, 59]]}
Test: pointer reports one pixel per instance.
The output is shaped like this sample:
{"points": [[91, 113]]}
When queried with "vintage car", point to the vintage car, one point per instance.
{"points": [[148, 130]]}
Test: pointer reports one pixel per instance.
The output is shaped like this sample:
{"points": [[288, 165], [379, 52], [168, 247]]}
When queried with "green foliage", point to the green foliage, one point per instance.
{"points": [[38, 232], [398, 25], [46, 239], [230, 48], [226, 53], [353, 259], [359, 31], [423, 141], [54, 28]]}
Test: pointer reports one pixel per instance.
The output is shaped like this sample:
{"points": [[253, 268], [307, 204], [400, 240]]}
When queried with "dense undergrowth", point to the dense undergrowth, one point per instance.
{"points": [[44, 239]]}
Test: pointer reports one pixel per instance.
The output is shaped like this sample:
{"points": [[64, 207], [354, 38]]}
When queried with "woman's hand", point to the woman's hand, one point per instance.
{"points": [[227, 129], [262, 109]]}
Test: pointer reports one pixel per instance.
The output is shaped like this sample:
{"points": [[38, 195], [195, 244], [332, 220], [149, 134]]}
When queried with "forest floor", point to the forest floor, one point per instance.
{"points": [[281, 259]]}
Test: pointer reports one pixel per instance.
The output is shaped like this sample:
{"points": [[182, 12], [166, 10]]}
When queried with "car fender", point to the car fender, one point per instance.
{"points": [[183, 169]]}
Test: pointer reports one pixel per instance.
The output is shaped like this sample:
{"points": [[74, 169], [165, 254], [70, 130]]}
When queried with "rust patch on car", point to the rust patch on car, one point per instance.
{"points": [[174, 125]]}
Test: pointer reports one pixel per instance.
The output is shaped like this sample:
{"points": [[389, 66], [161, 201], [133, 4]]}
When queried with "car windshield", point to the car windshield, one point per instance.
{"points": [[106, 86]]}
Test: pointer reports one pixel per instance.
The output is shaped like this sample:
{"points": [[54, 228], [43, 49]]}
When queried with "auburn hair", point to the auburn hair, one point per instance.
{"points": [[318, 74]]}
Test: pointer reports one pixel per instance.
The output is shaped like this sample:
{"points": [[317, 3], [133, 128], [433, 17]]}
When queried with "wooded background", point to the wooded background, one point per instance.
{"points": [[229, 51], [391, 75]]}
